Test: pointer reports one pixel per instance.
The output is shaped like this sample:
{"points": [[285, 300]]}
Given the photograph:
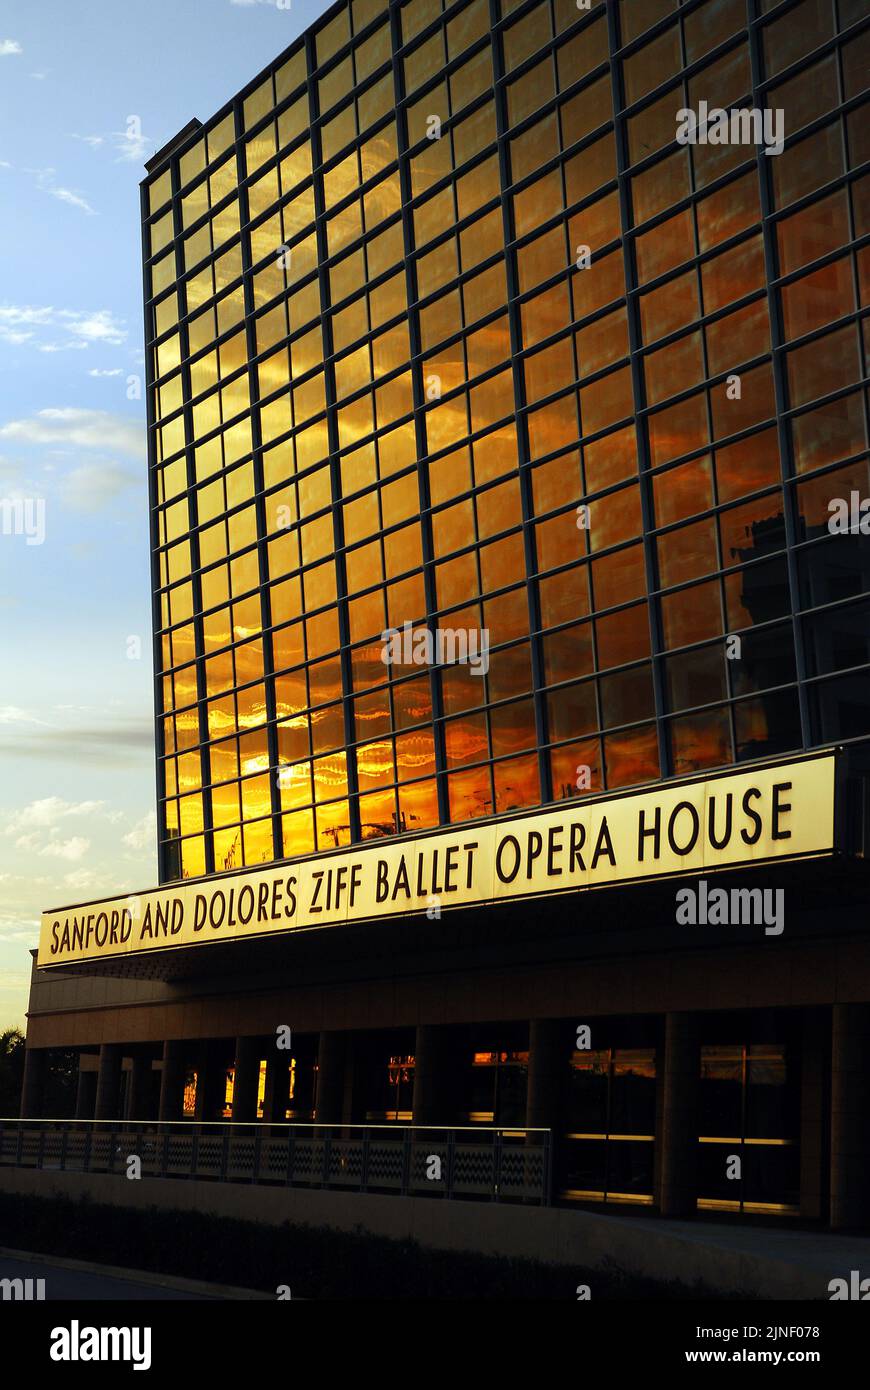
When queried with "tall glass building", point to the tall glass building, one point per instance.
{"points": [[508, 455], [441, 324]]}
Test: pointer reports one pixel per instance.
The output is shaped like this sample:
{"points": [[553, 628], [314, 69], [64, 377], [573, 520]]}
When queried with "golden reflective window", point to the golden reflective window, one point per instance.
{"points": [[263, 193], [531, 90], [259, 103], [333, 36], [290, 76], [338, 132], [167, 355], [657, 188], [159, 191], [665, 247], [335, 84], [549, 370], [651, 65], [166, 314], [195, 204], [526, 36], [381, 201], [192, 162], [261, 148], [544, 194], [672, 368], [733, 274], [737, 337], [540, 259], [653, 127], [811, 233], [534, 147], [429, 57], [584, 51], [163, 273], [170, 398], [295, 166], [221, 136], [162, 232]]}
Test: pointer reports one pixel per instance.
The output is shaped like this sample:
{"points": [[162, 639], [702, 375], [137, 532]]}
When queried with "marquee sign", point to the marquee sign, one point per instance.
{"points": [[778, 812]]}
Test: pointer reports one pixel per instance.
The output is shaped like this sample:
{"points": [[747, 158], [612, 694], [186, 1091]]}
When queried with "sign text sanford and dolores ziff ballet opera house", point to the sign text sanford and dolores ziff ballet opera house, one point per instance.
{"points": [[784, 812]]}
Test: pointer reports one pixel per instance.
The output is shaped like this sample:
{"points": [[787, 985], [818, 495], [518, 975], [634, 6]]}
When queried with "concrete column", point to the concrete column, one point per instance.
{"points": [[172, 1081], [678, 1167], [139, 1087], [210, 1081], [277, 1088], [108, 1082], [247, 1076], [432, 1075], [850, 1117], [33, 1082], [86, 1094], [548, 1056], [815, 1067], [331, 1066]]}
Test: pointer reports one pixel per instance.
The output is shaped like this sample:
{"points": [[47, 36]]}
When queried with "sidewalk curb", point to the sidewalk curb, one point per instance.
{"points": [[137, 1276]]}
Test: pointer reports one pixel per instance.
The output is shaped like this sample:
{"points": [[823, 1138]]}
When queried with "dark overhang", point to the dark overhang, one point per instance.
{"points": [[163, 154], [824, 898]]}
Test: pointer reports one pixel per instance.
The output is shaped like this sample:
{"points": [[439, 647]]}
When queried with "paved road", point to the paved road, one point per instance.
{"points": [[77, 1284]]}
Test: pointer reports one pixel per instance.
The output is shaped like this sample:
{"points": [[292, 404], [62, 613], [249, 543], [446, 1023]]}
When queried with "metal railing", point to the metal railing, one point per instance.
{"points": [[476, 1162]]}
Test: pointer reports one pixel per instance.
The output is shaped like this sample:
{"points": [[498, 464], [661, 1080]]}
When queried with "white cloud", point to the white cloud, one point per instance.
{"points": [[144, 833], [45, 180], [132, 146], [63, 347], [24, 313], [75, 200], [46, 813], [11, 714], [27, 842], [87, 429], [8, 47], [80, 881], [14, 336], [41, 324], [105, 371], [99, 327], [73, 849], [36, 827]]}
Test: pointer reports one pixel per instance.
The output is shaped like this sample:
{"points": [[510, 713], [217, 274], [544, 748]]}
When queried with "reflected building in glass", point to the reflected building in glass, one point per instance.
{"points": [[447, 333]]}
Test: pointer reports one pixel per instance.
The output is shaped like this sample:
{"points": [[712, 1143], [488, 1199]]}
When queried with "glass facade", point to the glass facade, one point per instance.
{"points": [[498, 1087], [610, 1108], [445, 328], [750, 1091]]}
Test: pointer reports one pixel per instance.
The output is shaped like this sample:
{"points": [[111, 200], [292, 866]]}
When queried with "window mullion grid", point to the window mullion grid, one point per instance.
{"points": [[154, 522], [333, 446], [418, 396], [260, 510], [635, 345], [523, 460], [196, 579], [778, 367]]}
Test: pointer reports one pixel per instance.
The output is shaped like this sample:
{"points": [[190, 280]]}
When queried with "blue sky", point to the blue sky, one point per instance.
{"points": [[76, 744]]}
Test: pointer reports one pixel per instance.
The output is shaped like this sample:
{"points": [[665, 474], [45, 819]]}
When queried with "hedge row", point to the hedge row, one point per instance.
{"points": [[315, 1262]]}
